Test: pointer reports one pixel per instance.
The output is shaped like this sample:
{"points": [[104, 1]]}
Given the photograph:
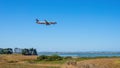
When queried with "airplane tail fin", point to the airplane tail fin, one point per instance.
{"points": [[37, 21]]}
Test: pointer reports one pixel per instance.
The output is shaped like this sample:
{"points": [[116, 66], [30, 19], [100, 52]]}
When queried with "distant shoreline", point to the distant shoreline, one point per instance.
{"points": [[83, 54]]}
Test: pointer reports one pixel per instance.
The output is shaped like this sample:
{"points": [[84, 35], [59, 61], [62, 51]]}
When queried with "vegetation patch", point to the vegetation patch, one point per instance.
{"points": [[50, 58]]}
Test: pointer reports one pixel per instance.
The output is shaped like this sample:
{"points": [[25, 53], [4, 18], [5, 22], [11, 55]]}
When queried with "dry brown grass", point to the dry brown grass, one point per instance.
{"points": [[17, 65], [16, 57], [97, 63], [21, 61]]}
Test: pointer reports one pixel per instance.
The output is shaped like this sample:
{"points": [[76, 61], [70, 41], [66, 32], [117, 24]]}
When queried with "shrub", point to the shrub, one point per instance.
{"points": [[49, 58], [68, 57], [42, 57]]}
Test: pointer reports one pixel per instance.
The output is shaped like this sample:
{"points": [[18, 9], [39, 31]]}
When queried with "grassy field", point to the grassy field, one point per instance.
{"points": [[113, 62], [21, 61], [16, 65]]}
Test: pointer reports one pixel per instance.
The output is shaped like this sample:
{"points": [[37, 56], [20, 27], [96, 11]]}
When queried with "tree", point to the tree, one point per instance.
{"points": [[1, 51], [30, 51], [34, 52], [25, 51], [10, 51], [6, 51]]}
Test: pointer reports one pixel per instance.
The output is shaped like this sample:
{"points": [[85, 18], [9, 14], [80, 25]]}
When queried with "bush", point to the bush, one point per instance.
{"points": [[68, 57], [42, 57], [49, 58]]}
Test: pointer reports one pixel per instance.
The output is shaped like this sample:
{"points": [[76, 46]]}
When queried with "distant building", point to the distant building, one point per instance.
{"points": [[17, 51]]}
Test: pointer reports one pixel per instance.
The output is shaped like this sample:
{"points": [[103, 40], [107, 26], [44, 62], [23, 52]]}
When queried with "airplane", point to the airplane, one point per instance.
{"points": [[46, 22]]}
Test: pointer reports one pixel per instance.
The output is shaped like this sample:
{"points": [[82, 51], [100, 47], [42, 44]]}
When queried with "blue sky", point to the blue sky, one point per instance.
{"points": [[82, 25]]}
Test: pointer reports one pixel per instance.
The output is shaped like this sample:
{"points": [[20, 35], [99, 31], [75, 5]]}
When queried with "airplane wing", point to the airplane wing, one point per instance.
{"points": [[50, 22], [53, 23], [40, 22]]}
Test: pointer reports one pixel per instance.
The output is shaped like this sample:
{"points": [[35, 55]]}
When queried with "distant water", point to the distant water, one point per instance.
{"points": [[82, 54]]}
